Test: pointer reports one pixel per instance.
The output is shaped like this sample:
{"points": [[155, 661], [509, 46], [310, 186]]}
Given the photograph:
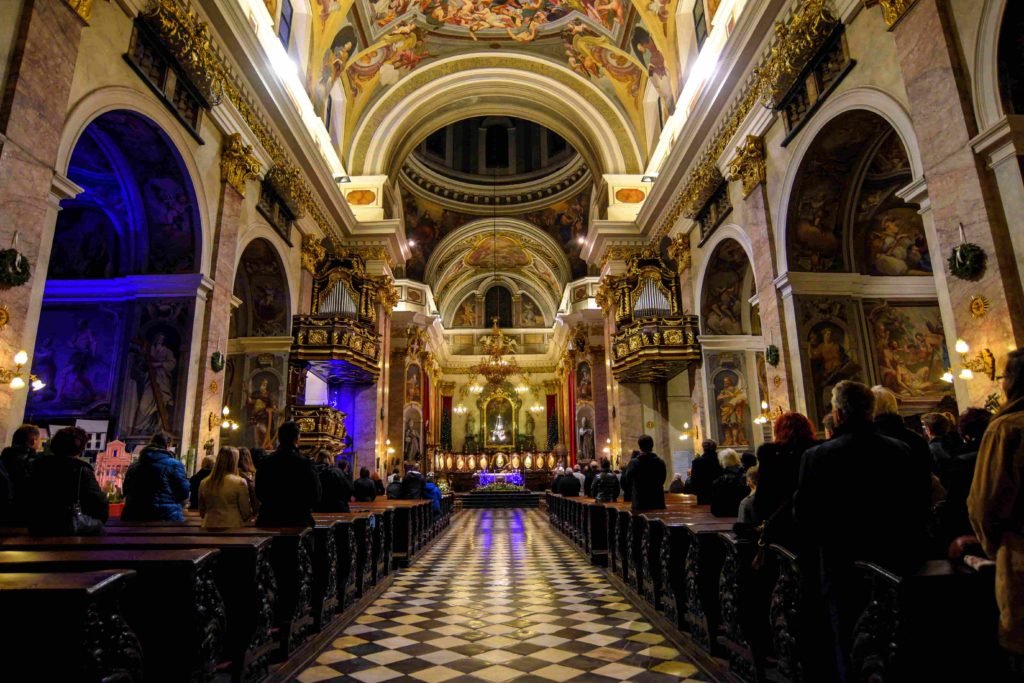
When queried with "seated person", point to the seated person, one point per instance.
{"points": [[364, 488], [224, 496], [58, 482], [336, 490], [432, 493], [155, 486]]}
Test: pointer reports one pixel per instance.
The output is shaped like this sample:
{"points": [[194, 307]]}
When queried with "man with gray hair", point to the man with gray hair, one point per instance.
{"points": [[853, 502]]}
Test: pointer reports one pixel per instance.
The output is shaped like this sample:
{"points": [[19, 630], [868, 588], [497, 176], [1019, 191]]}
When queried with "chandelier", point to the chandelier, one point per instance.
{"points": [[498, 363]]}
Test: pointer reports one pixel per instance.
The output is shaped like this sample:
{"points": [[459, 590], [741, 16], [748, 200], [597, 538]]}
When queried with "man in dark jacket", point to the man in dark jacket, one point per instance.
{"points": [[606, 485], [569, 485], [364, 489], [627, 493], [394, 490], [155, 486], [335, 488], [889, 423], [588, 478], [205, 468], [17, 460], [645, 477], [943, 441], [287, 484], [851, 504], [412, 484], [703, 473]]}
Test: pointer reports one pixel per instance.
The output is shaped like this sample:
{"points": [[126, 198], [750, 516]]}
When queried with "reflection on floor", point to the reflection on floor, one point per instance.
{"points": [[501, 597]]}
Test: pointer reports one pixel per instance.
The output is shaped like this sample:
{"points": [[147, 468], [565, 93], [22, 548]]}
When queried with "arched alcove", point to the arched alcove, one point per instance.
{"points": [[115, 330], [728, 279]]}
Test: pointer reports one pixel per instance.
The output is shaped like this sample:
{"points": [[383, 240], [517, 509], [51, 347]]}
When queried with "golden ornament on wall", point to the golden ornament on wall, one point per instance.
{"points": [[979, 306], [5, 316]]}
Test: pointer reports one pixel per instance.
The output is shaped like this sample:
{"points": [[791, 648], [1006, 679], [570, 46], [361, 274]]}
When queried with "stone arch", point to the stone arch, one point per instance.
{"points": [[725, 232], [727, 277], [485, 85], [118, 98], [988, 100], [292, 270], [867, 99], [261, 284]]}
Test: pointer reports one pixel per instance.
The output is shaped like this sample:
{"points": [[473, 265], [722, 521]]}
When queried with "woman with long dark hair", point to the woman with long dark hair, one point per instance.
{"points": [[996, 506]]}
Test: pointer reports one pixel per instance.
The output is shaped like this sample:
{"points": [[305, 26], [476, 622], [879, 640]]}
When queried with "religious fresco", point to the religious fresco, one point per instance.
{"points": [[261, 285], [148, 200], [158, 351], [263, 409], [830, 349], [465, 314], [831, 221], [584, 382], [529, 313], [78, 348], [909, 349], [427, 223], [724, 295], [413, 388], [729, 391]]}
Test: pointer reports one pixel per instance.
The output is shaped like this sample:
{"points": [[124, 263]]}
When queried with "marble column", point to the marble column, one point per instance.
{"points": [[217, 320], [32, 114], [960, 188]]}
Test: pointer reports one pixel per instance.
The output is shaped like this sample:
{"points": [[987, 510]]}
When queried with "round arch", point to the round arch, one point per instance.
{"points": [[730, 231], [988, 101], [485, 85], [256, 268], [867, 99], [114, 98], [292, 270], [478, 285]]}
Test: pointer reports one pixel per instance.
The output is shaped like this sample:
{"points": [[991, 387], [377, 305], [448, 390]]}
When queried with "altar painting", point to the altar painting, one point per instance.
{"points": [[499, 423]]}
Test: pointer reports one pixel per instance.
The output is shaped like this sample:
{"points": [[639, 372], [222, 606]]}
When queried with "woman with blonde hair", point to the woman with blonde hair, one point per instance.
{"points": [[224, 495], [247, 470]]}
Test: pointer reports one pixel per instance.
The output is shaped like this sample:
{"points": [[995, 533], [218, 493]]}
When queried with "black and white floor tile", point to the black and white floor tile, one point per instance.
{"points": [[501, 597]]}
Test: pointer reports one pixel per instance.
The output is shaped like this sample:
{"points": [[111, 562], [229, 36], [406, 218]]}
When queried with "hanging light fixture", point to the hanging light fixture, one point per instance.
{"points": [[16, 378]]}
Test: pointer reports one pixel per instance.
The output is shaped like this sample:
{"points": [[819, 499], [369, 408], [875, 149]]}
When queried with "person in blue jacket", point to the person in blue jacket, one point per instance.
{"points": [[432, 493], [155, 486]]}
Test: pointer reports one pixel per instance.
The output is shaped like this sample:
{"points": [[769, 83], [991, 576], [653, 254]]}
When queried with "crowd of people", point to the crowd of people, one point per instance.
{"points": [[56, 492], [873, 490]]}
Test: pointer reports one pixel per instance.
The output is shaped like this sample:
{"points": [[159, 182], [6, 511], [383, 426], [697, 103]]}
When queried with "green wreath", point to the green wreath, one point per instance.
{"points": [[14, 269], [771, 355], [967, 261]]}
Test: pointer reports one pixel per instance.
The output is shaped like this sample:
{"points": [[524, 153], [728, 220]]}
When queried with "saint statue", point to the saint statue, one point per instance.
{"points": [[470, 425], [586, 440], [732, 410], [412, 443], [530, 425]]}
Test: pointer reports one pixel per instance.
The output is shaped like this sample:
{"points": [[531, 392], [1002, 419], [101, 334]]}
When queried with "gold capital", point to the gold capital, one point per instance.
{"points": [[237, 163], [82, 8], [748, 165]]}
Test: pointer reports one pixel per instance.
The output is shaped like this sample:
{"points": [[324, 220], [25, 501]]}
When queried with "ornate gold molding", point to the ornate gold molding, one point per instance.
{"points": [[388, 295], [705, 179], [188, 38], [679, 250], [785, 59], [238, 163], [748, 165], [83, 8], [619, 252], [372, 253], [287, 183], [797, 41], [313, 253], [892, 10]]}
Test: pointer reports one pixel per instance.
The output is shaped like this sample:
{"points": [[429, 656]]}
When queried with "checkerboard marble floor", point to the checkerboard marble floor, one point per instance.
{"points": [[501, 597]]}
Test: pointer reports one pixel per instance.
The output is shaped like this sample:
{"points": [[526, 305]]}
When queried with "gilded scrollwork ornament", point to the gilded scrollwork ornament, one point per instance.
{"points": [[679, 250], [238, 163], [797, 41], [748, 166], [83, 8], [188, 38], [313, 253], [892, 10]]}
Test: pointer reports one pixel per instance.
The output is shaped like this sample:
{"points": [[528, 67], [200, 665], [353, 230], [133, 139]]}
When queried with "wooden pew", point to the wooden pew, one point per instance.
{"points": [[675, 553], [291, 556], [67, 627], [244, 576], [744, 595], [648, 581], [784, 615], [173, 604], [362, 526]]}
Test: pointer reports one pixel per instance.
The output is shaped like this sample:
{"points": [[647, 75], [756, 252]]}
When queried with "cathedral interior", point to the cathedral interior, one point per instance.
{"points": [[503, 236]]}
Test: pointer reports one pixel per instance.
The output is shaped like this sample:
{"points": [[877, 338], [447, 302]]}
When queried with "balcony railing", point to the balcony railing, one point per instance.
{"points": [[655, 349]]}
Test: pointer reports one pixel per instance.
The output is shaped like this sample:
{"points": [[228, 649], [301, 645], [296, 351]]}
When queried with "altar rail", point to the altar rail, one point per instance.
{"points": [[689, 567]]}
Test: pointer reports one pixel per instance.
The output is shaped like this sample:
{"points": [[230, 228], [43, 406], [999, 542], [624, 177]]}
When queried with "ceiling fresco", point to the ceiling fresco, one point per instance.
{"points": [[360, 49]]}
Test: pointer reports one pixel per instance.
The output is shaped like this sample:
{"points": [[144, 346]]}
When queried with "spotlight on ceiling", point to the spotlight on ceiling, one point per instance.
{"points": [[342, 179], [411, 243], [649, 178], [581, 239]]}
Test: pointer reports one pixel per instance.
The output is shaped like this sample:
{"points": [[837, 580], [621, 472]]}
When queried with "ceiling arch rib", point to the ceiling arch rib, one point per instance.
{"points": [[487, 85]]}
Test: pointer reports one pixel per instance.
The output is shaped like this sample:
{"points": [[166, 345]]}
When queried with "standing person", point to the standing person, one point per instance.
{"points": [[627, 492], [889, 423], [746, 514], [569, 485], [247, 471], [17, 461], [412, 483], [378, 485], [677, 485], [943, 440], [205, 469], [335, 489], [703, 472], [957, 477], [394, 490], [606, 485], [364, 489], [996, 510], [588, 478], [645, 478], [579, 475], [60, 480], [287, 483], [777, 475], [556, 483], [432, 493], [155, 486], [731, 486], [224, 496], [848, 511]]}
